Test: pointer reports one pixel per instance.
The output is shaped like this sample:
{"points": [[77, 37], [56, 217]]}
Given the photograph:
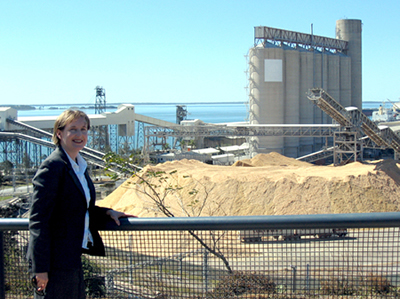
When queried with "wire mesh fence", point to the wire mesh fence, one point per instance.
{"points": [[327, 262]]}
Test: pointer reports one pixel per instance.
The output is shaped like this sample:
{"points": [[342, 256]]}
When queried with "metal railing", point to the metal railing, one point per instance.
{"points": [[301, 256]]}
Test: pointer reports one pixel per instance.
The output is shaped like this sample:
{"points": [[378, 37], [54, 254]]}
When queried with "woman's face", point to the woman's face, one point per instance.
{"points": [[74, 136]]}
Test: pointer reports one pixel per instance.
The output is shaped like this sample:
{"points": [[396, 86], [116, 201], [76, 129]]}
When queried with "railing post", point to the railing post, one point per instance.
{"points": [[294, 269], [109, 283], [205, 269], [308, 279], [2, 286]]}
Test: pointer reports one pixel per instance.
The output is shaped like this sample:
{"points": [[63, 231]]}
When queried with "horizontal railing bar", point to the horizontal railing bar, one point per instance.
{"points": [[361, 220], [11, 224]]}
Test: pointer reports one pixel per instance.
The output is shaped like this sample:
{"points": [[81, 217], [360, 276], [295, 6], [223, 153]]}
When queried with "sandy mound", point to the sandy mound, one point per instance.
{"points": [[265, 185], [272, 159]]}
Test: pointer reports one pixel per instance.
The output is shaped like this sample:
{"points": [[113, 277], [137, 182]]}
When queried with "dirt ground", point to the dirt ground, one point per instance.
{"points": [[268, 184]]}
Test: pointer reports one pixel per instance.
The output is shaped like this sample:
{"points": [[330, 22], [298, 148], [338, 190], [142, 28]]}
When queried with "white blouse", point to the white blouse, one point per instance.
{"points": [[79, 168]]}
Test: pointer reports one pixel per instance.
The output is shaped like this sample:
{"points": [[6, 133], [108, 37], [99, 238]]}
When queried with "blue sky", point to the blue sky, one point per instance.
{"points": [[57, 52]]}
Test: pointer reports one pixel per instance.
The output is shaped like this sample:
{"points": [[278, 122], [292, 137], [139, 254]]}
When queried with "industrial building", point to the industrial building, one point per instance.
{"points": [[284, 65], [299, 87]]}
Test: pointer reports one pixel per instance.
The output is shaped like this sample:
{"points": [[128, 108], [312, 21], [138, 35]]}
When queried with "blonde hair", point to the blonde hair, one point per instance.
{"points": [[65, 118]]}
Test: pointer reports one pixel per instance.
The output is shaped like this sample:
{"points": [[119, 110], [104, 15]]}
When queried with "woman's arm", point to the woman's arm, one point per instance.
{"points": [[115, 215], [46, 182]]}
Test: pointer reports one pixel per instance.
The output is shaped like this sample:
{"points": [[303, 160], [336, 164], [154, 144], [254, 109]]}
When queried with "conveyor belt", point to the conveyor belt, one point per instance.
{"points": [[354, 118], [94, 159], [41, 133]]}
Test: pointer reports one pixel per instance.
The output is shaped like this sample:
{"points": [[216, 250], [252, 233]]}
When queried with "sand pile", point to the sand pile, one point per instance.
{"points": [[268, 184]]}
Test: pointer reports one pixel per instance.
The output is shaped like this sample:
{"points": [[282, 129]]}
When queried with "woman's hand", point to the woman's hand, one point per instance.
{"points": [[115, 215], [41, 280]]}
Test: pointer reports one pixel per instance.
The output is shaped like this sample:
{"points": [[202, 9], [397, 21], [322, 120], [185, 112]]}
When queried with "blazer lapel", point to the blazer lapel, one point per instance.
{"points": [[76, 180], [72, 172]]}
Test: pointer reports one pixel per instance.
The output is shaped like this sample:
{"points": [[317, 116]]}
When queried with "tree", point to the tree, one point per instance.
{"points": [[26, 161], [156, 186], [183, 144], [7, 167], [1, 179], [192, 143]]}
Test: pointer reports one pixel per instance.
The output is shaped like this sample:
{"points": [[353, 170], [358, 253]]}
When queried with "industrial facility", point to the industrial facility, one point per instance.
{"points": [[305, 101], [284, 65]]}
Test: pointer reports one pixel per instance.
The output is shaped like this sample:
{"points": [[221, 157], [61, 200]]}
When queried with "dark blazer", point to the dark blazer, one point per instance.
{"points": [[57, 217]]}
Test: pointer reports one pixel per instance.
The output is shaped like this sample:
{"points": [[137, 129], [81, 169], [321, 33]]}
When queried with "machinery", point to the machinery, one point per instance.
{"points": [[257, 235]]}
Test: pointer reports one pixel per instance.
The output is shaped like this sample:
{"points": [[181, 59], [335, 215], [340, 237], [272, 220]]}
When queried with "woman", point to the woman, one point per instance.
{"points": [[63, 217]]}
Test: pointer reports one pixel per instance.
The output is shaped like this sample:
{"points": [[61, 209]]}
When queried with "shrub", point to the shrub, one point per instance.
{"points": [[377, 284], [239, 283], [337, 286], [17, 277], [94, 282]]}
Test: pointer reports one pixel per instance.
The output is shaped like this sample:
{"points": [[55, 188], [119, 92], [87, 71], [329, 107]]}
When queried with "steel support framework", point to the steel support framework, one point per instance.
{"points": [[100, 134], [353, 120], [22, 149], [242, 131], [153, 133], [140, 139], [19, 150], [113, 129], [348, 147], [264, 34]]}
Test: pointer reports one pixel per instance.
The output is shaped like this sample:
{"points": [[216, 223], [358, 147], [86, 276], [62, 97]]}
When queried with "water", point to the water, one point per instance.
{"points": [[371, 105], [210, 113], [207, 112]]}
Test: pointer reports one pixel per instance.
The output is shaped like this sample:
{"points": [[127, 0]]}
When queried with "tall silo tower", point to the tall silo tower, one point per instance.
{"points": [[284, 65], [267, 89], [350, 31]]}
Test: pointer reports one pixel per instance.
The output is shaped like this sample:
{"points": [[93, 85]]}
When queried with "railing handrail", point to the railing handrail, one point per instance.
{"points": [[351, 220]]}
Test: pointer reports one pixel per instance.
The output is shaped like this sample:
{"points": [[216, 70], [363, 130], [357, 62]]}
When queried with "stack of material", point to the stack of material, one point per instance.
{"points": [[268, 184]]}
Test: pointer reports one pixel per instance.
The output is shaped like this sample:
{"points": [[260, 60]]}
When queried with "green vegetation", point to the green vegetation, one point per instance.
{"points": [[94, 282], [371, 284], [5, 197], [15, 264], [240, 283]]}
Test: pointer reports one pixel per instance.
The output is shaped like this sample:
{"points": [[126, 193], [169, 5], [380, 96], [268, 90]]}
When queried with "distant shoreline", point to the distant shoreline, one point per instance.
{"points": [[115, 105], [109, 105]]}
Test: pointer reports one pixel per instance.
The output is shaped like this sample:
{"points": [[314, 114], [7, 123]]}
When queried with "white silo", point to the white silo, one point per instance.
{"points": [[306, 107], [345, 81], [333, 87], [256, 58], [286, 64], [267, 102], [292, 101], [324, 75], [350, 31], [319, 80]]}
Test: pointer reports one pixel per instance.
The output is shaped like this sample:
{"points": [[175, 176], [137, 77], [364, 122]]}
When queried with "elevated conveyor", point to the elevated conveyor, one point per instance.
{"points": [[92, 156], [38, 141], [353, 119], [319, 155], [152, 133], [42, 133], [246, 130]]}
